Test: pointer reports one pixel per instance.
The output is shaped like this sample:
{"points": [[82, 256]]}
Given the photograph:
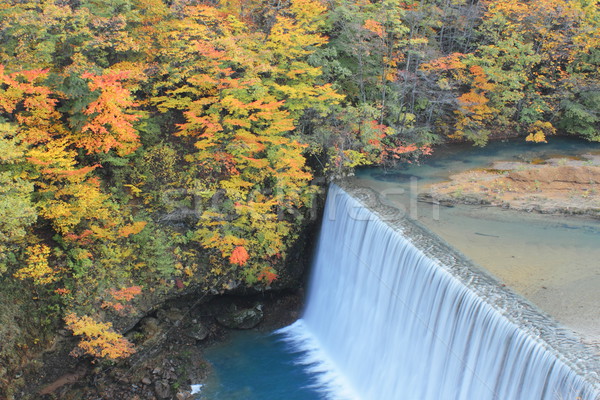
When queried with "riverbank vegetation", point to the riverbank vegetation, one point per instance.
{"points": [[148, 147]]}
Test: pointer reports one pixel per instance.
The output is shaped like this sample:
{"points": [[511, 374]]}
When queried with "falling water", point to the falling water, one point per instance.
{"points": [[386, 320]]}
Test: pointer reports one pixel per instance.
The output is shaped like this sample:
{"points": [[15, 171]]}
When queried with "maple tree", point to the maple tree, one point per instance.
{"points": [[110, 125], [119, 299]]}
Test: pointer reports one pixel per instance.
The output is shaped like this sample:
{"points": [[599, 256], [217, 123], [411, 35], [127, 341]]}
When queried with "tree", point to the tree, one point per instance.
{"points": [[532, 55], [110, 120], [240, 103], [98, 339], [17, 209]]}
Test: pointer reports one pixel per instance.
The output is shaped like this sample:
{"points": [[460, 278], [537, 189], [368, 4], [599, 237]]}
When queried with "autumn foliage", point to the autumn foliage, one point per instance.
{"points": [[98, 339], [37, 267], [176, 144], [120, 299], [110, 121], [239, 256]]}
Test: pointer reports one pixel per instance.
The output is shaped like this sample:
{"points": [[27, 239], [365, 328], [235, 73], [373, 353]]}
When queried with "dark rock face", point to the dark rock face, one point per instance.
{"points": [[245, 318]]}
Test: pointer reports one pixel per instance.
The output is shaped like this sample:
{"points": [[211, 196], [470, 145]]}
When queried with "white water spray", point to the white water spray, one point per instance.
{"points": [[385, 322]]}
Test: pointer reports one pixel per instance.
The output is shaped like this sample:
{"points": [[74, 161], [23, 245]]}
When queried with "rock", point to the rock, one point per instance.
{"points": [[184, 396], [562, 186], [172, 315], [197, 331], [150, 328], [170, 375], [162, 389], [246, 318], [146, 381]]}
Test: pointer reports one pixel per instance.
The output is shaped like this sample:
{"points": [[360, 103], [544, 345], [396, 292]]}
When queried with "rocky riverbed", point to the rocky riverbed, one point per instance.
{"points": [[555, 185]]}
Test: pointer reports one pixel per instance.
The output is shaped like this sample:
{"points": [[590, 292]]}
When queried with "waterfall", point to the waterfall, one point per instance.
{"points": [[386, 321]]}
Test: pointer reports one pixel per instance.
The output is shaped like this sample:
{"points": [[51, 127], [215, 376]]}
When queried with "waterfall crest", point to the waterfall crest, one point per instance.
{"points": [[386, 321]]}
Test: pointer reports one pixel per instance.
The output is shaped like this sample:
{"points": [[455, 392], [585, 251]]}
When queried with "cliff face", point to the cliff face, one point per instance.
{"points": [[167, 327]]}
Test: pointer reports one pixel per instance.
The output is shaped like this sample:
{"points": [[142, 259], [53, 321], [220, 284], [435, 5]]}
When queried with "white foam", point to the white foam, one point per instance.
{"points": [[196, 389], [327, 378]]}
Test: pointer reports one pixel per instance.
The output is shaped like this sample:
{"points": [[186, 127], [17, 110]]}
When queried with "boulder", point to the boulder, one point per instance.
{"points": [[245, 318], [162, 389], [197, 331], [184, 396], [172, 315], [151, 329]]}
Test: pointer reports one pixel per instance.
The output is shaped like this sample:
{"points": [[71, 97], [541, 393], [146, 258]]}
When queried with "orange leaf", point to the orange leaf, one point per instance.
{"points": [[239, 256]]}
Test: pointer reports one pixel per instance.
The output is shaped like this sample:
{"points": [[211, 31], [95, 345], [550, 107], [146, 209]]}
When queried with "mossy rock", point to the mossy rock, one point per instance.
{"points": [[245, 318]]}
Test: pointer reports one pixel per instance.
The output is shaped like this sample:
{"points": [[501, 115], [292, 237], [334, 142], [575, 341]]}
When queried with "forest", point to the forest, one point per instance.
{"points": [[153, 146]]}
